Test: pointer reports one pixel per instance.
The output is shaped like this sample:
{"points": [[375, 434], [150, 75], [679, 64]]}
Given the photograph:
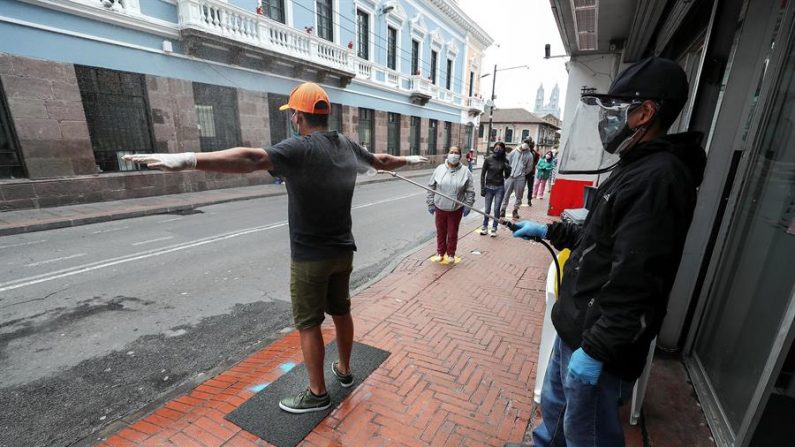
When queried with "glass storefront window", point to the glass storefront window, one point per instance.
{"points": [[754, 284]]}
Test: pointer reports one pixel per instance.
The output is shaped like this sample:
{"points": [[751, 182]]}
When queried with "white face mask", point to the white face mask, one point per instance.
{"points": [[453, 159]]}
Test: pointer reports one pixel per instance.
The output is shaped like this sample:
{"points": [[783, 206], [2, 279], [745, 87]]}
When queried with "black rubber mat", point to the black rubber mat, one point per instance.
{"points": [[262, 416]]}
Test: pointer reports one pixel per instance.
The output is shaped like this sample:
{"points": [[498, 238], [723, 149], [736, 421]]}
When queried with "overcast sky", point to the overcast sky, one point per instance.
{"points": [[520, 28]]}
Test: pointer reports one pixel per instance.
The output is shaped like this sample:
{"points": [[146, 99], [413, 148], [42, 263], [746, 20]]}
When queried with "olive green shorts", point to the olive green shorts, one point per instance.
{"points": [[319, 287]]}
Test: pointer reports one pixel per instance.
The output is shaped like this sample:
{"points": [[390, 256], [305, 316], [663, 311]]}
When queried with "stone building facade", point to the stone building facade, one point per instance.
{"points": [[45, 107]]}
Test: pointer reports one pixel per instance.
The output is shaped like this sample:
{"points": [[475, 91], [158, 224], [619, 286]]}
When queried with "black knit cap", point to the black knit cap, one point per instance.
{"points": [[654, 78]]}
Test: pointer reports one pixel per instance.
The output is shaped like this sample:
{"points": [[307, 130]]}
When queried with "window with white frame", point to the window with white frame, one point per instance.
{"points": [[508, 134], [418, 34], [434, 59], [274, 9], [449, 81], [415, 57], [325, 20], [391, 51], [363, 34]]}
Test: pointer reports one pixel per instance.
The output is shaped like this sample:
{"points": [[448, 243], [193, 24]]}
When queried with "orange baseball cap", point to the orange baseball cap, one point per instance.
{"points": [[309, 98]]}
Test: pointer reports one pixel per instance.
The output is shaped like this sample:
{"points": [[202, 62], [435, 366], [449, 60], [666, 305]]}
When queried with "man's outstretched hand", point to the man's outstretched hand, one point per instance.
{"points": [[165, 162], [415, 159]]}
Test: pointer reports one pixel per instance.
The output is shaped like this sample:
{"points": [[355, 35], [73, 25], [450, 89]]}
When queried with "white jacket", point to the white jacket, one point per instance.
{"points": [[453, 182]]}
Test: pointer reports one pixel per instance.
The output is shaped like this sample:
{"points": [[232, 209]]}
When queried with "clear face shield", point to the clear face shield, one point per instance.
{"points": [[598, 135]]}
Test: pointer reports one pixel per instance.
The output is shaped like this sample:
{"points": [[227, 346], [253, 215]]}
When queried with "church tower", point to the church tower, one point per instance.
{"points": [[540, 98], [554, 98]]}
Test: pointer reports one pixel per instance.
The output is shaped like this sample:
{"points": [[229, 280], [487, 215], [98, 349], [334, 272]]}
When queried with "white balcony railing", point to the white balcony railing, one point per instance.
{"points": [[393, 78], [364, 69], [222, 19], [421, 85], [228, 22], [475, 103]]}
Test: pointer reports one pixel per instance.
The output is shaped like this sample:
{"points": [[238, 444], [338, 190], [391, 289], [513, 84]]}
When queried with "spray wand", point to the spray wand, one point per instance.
{"points": [[511, 226]]}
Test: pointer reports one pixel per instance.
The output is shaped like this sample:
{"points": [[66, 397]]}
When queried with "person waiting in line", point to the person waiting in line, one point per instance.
{"points": [[521, 161], [543, 171], [471, 157], [321, 242], [450, 179], [492, 185], [530, 177], [554, 170]]}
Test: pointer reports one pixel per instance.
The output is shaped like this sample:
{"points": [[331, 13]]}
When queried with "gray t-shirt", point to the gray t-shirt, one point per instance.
{"points": [[320, 171]]}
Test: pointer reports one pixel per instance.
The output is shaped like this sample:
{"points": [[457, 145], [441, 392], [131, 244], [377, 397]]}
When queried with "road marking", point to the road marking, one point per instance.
{"points": [[109, 230], [365, 205], [152, 240], [22, 244], [169, 220], [36, 279], [49, 261], [76, 270]]}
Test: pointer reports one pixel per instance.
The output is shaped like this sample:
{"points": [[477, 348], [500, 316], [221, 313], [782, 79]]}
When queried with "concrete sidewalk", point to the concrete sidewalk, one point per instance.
{"points": [[40, 219], [464, 345]]}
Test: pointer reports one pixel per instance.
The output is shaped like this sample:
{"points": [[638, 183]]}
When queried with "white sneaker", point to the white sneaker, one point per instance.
{"points": [[483, 232], [493, 233]]}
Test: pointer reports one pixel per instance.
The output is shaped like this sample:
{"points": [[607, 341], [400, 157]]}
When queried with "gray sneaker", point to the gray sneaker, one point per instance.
{"points": [[305, 402], [346, 380]]}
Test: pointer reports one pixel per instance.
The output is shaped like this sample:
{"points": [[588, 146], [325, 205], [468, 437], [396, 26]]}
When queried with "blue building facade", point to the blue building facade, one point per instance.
{"points": [[84, 82]]}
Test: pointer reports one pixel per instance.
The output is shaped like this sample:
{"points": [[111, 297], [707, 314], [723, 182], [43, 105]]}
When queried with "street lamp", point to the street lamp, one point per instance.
{"points": [[491, 109]]}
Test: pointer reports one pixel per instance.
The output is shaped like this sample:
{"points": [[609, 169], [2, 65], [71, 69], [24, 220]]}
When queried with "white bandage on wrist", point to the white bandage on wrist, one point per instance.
{"points": [[166, 162], [415, 159]]}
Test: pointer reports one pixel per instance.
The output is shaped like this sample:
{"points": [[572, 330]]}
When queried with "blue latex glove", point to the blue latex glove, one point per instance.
{"points": [[585, 367], [466, 211], [431, 209], [529, 229]]}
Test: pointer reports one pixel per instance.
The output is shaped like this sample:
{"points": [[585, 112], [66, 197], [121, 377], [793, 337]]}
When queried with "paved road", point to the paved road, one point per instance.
{"points": [[100, 320]]}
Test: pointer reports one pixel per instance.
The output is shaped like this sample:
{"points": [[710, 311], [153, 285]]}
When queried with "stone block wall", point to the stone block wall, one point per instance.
{"points": [[441, 144], [350, 121], [380, 135], [24, 194], [173, 115], [46, 109], [49, 120], [424, 136], [254, 118], [457, 137], [405, 133]]}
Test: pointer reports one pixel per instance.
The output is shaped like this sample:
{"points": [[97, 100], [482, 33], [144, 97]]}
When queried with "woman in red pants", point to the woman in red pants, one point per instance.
{"points": [[452, 180]]}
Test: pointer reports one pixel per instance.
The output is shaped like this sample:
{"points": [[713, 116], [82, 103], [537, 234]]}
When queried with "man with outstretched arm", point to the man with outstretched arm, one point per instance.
{"points": [[321, 168], [614, 291]]}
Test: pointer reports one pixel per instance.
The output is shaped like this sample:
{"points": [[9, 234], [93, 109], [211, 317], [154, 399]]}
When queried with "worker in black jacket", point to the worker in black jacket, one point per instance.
{"points": [[615, 287]]}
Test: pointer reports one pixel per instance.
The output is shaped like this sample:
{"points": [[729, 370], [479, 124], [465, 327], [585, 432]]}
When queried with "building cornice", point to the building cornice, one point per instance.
{"points": [[126, 20], [453, 11]]}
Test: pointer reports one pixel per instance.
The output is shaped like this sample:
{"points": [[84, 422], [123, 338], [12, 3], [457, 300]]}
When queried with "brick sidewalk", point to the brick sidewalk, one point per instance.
{"points": [[463, 342]]}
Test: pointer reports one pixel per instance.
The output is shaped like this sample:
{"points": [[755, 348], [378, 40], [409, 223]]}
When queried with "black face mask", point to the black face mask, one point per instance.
{"points": [[611, 143], [499, 154]]}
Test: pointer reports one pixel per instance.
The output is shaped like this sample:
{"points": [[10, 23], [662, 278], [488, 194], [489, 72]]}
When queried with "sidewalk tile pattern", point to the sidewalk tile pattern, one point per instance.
{"points": [[464, 342]]}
